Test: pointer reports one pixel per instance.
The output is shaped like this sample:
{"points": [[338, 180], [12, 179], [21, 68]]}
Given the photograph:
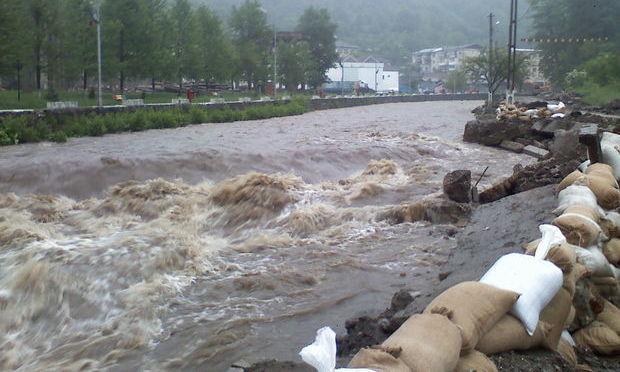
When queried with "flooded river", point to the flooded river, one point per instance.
{"points": [[196, 247]]}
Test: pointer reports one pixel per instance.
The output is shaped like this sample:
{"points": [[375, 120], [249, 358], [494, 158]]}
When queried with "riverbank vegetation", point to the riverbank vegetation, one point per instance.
{"points": [[58, 127], [50, 47]]}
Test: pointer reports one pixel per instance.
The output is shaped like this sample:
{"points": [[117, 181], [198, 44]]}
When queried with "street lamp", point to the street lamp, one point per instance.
{"points": [[97, 20]]}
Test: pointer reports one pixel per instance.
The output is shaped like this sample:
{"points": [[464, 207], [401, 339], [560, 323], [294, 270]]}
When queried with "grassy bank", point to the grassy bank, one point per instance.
{"points": [[597, 95], [59, 127], [38, 100]]}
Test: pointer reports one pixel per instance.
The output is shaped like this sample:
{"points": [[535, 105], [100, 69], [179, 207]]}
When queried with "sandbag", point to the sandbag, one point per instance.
{"points": [[598, 338], [606, 286], [379, 359], [562, 255], [577, 195], [567, 352], [510, 334], [555, 315], [571, 317], [611, 250], [602, 170], [610, 146], [475, 308], [607, 195], [610, 316], [475, 361], [610, 224], [536, 280], [585, 211], [595, 261], [429, 342], [578, 229], [570, 279], [569, 180]]}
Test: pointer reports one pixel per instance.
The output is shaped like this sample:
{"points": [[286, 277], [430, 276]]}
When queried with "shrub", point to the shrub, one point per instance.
{"points": [[5, 139], [58, 136]]}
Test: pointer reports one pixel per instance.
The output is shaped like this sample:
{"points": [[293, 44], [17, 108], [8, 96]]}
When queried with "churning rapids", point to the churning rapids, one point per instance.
{"points": [[196, 247]]}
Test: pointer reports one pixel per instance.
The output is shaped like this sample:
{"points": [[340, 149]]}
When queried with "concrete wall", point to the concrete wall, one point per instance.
{"points": [[315, 104]]}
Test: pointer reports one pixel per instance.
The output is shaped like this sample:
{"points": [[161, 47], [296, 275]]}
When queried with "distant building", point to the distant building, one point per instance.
{"points": [[534, 73], [369, 71], [436, 63]]}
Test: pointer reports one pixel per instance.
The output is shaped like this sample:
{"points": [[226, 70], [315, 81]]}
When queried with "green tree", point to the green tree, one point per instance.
{"points": [[494, 74], [295, 63], [320, 34], [214, 48], [79, 52], [456, 81], [572, 19], [252, 39]]}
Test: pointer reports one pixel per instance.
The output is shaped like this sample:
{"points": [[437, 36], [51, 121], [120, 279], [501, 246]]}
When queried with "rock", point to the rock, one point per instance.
{"points": [[490, 132], [512, 146], [566, 145], [444, 275], [402, 299], [536, 105], [457, 186], [547, 127], [536, 152], [538, 144]]}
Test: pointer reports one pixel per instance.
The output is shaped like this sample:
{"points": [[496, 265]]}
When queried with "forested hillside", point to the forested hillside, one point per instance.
{"points": [[396, 27]]}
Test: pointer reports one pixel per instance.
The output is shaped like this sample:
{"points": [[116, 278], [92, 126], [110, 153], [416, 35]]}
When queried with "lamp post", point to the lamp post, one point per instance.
{"points": [[19, 66], [97, 20], [275, 62]]}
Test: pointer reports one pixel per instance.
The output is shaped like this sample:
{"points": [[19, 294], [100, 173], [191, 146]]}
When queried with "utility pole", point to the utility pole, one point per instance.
{"points": [[512, 52], [97, 19], [19, 66], [341, 77], [275, 62], [490, 72]]}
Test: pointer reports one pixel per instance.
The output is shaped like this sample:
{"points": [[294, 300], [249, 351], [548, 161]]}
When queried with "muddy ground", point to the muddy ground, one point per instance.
{"points": [[494, 230]]}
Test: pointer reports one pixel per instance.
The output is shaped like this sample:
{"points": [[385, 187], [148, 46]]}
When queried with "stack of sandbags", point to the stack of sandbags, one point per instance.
{"points": [[600, 180], [579, 223], [610, 146], [445, 335]]}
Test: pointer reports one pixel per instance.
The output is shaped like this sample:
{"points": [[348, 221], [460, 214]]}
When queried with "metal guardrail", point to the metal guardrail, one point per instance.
{"points": [[315, 104]]}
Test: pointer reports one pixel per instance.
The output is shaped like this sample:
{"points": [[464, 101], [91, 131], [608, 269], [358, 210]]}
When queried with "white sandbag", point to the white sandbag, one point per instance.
{"points": [[568, 338], [610, 146], [577, 195], [559, 115], [594, 260], [551, 235], [556, 108], [536, 280], [614, 217], [583, 166], [322, 353]]}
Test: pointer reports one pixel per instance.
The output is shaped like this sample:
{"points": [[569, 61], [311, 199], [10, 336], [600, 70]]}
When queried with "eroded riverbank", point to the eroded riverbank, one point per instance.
{"points": [[225, 264]]}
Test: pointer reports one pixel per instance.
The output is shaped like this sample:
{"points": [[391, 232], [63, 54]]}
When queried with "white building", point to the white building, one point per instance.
{"points": [[369, 71], [436, 63], [534, 71]]}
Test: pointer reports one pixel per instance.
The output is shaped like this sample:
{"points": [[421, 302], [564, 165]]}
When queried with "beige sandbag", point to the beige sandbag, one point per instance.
{"points": [[429, 342], [585, 211], [570, 279], [555, 314], [578, 229], [569, 180], [571, 317], [475, 361], [606, 286], [599, 338], [475, 307], [610, 316], [611, 250], [567, 351], [379, 359], [562, 255], [510, 334], [604, 171], [607, 195]]}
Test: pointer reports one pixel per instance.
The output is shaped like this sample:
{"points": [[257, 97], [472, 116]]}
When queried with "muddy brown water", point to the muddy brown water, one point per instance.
{"points": [[233, 241]]}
